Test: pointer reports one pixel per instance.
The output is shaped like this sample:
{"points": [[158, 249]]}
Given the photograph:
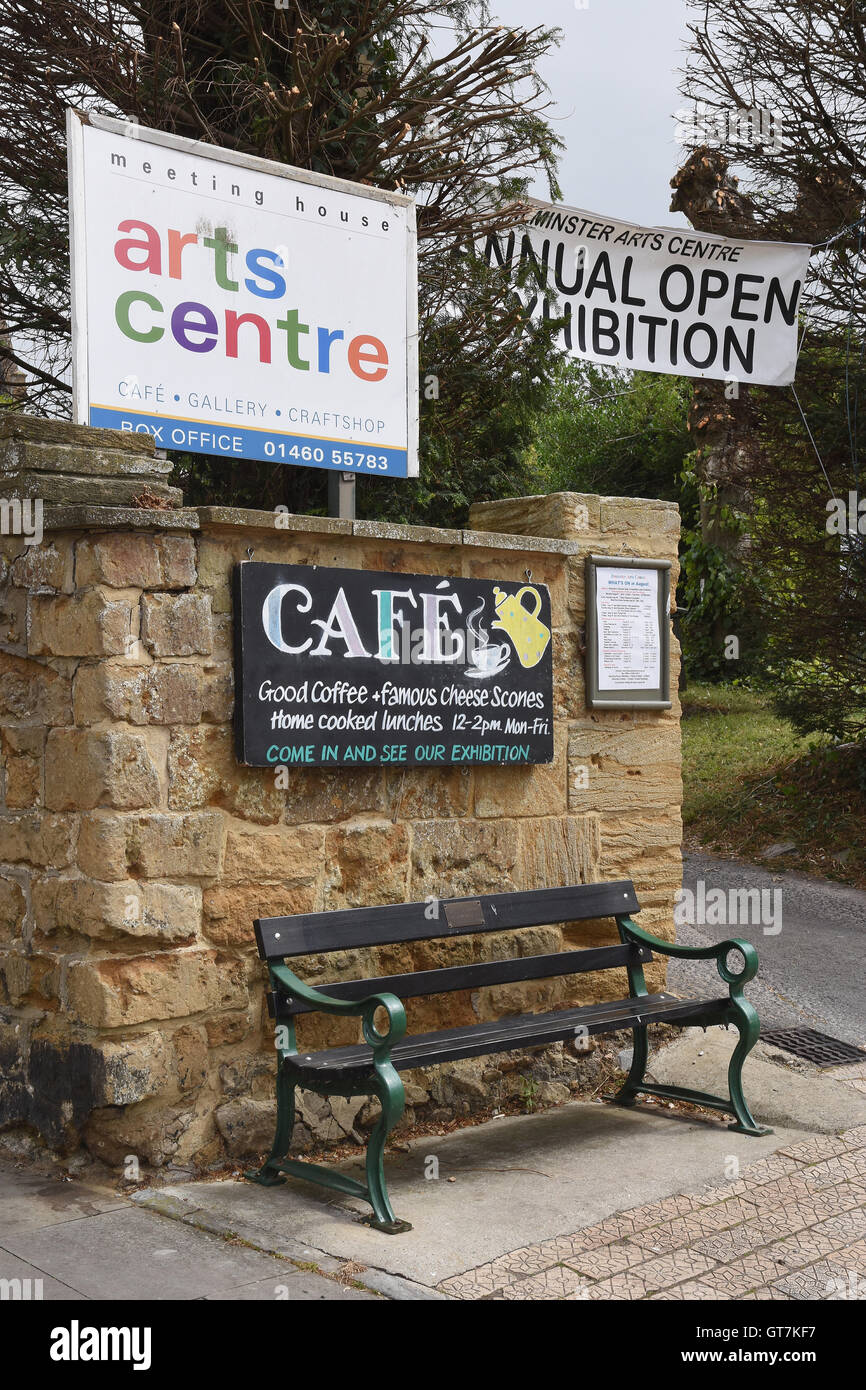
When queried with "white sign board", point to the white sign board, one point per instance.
{"points": [[627, 617], [230, 305], [659, 299]]}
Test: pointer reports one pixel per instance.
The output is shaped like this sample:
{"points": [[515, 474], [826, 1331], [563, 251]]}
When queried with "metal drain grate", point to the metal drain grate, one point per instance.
{"points": [[814, 1047]]}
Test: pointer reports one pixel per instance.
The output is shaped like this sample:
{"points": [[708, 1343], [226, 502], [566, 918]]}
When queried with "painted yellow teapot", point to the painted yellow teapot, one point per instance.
{"points": [[528, 635]]}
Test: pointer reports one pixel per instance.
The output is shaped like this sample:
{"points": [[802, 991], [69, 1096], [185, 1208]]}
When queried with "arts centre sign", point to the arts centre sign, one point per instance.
{"points": [[229, 305]]}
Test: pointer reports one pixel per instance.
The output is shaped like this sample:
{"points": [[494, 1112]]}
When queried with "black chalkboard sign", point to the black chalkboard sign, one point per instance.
{"points": [[346, 668]]}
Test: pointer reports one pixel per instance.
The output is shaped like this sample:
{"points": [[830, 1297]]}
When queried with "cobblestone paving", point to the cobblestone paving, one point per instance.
{"points": [[791, 1226]]}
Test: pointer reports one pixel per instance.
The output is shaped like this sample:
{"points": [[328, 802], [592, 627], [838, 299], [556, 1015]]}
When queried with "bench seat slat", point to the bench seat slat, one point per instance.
{"points": [[501, 1035], [498, 972], [308, 933]]}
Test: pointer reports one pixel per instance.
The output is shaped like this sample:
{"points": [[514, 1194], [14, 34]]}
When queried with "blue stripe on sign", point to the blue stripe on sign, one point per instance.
{"points": [[202, 437]]}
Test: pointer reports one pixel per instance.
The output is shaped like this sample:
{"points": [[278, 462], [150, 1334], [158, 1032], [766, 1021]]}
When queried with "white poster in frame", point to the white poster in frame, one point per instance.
{"points": [[627, 632]]}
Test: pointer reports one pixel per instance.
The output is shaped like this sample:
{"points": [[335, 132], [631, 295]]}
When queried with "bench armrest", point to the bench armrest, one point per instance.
{"points": [[365, 1009], [719, 953]]}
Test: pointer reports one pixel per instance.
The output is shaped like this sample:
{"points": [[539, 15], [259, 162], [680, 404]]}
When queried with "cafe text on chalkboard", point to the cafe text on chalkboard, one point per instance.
{"points": [[344, 668]]}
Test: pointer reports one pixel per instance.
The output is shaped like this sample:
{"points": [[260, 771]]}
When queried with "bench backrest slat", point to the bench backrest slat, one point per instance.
{"points": [[311, 932], [495, 972]]}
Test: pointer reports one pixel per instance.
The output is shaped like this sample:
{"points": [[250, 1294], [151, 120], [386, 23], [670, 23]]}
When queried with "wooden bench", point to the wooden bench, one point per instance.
{"points": [[373, 1067]]}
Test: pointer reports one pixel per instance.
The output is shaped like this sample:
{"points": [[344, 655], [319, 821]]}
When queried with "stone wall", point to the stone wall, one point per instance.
{"points": [[135, 852]]}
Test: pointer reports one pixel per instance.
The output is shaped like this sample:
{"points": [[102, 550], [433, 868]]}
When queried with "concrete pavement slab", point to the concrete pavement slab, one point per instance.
{"points": [[500, 1186], [133, 1254], [25, 1283], [777, 1094], [29, 1201]]}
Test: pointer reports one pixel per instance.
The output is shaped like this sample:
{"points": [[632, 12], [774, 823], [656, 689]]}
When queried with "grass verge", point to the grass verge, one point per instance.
{"points": [[751, 782]]}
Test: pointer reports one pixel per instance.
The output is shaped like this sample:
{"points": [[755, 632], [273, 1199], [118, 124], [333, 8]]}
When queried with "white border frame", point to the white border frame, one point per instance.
{"points": [[76, 119], [659, 697]]}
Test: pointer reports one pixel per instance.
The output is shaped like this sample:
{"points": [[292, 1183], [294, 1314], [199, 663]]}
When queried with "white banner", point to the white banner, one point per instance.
{"points": [[659, 299], [229, 305]]}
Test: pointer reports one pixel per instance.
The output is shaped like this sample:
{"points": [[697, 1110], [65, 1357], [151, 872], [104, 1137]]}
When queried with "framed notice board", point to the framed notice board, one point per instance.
{"points": [[627, 633]]}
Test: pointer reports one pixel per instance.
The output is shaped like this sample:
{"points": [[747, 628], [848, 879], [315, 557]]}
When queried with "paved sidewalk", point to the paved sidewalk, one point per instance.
{"points": [[65, 1240], [792, 1226], [593, 1201], [586, 1201]]}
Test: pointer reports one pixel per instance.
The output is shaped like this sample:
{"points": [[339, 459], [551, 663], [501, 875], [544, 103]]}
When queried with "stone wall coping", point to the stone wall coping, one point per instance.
{"points": [[243, 519], [38, 430], [501, 540], [86, 518], [252, 519], [547, 497]]}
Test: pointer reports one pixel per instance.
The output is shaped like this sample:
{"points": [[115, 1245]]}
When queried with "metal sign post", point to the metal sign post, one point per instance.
{"points": [[341, 496]]}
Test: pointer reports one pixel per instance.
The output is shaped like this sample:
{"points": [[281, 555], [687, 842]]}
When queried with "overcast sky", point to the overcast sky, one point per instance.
{"points": [[613, 80]]}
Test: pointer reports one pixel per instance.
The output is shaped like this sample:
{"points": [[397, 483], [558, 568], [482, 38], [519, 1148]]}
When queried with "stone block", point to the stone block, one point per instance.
{"points": [[629, 841], [88, 768], [101, 849], [22, 751], [427, 793], [539, 790], [116, 992], [576, 581], [222, 634], [561, 515], [13, 907], [569, 689], [176, 624], [624, 762], [84, 624], [218, 693], [177, 561], [365, 863], [154, 1130], [15, 977], [125, 559], [122, 560], [645, 519], [69, 490], [325, 795], [44, 566], [56, 435], [204, 771], [163, 693], [31, 693], [13, 618], [216, 556], [133, 1068], [556, 850], [166, 845], [190, 1047], [280, 854], [43, 840], [89, 907], [247, 1126], [454, 858], [227, 1029], [229, 911]]}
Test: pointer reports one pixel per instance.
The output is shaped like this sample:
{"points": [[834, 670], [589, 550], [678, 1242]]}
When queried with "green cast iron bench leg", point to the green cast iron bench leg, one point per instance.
{"points": [[392, 1098], [269, 1174], [739, 1012], [384, 1083]]}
